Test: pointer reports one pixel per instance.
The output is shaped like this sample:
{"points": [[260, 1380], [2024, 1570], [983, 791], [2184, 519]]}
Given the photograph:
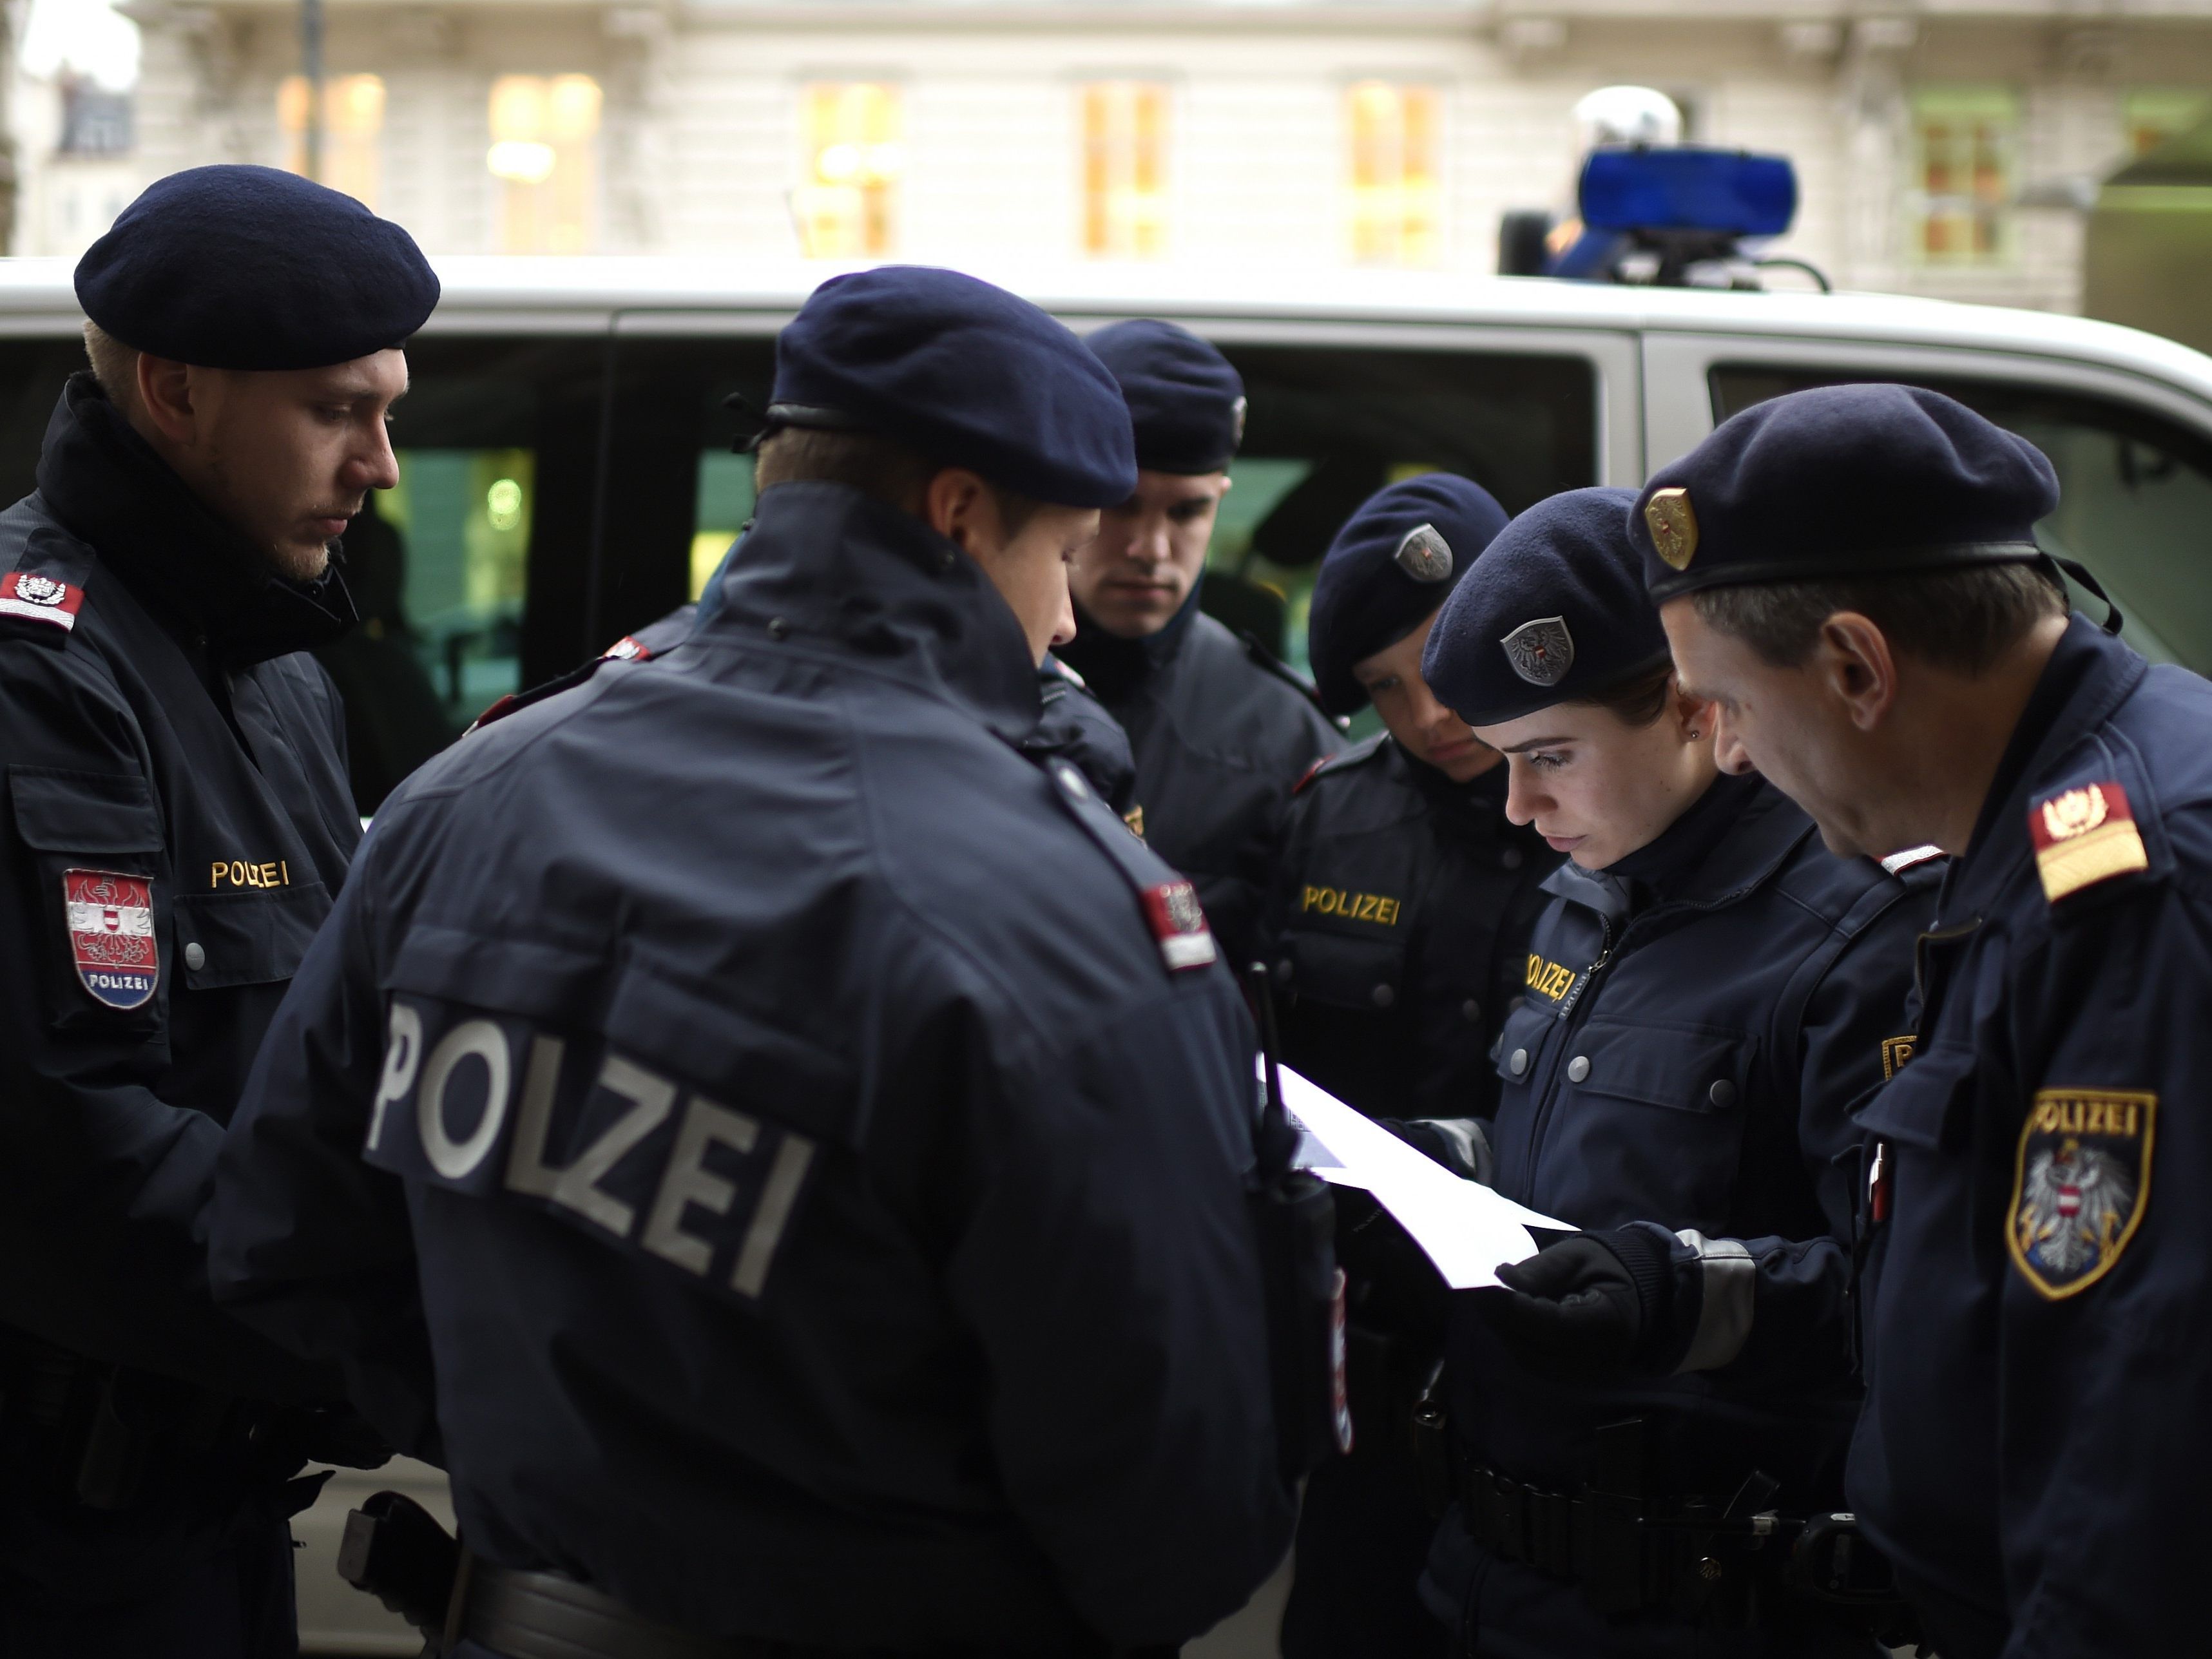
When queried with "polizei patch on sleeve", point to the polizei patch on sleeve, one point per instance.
{"points": [[42, 599], [2084, 836], [1179, 924], [2080, 1186], [111, 929]]}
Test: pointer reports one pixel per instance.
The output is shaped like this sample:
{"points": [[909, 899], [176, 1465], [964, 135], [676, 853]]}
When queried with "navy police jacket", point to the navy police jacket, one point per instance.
{"points": [[791, 1149], [1221, 733], [1698, 1021], [2034, 1457], [1397, 928], [177, 819]]}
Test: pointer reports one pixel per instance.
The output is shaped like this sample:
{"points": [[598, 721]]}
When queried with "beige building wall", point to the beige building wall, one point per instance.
{"points": [[701, 133]]}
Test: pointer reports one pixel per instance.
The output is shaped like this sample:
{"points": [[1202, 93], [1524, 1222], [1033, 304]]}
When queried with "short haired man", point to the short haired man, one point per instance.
{"points": [[1221, 730], [177, 821], [810, 1138], [1852, 575]]}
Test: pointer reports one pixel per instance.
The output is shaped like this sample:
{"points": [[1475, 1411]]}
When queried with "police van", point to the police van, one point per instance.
{"points": [[567, 470]]}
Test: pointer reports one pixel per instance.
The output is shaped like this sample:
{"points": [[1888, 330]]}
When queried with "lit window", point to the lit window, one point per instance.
{"points": [[541, 150], [846, 206], [1965, 145], [2151, 118], [1396, 173], [352, 118], [1125, 152]]}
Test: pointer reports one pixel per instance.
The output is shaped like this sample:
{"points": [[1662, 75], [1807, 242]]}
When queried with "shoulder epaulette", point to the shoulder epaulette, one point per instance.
{"points": [[1366, 749], [1910, 859], [43, 585], [2083, 836], [515, 702], [1289, 676]]}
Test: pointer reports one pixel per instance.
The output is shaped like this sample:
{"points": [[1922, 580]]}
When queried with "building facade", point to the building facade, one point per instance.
{"points": [[1943, 148]]}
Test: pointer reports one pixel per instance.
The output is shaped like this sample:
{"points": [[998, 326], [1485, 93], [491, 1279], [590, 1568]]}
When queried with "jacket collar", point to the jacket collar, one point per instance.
{"points": [[1726, 843], [2090, 674], [827, 564], [186, 567], [1115, 667]]}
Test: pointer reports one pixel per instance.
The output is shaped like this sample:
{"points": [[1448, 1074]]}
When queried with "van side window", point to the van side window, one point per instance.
{"points": [[2136, 501], [1328, 425]]}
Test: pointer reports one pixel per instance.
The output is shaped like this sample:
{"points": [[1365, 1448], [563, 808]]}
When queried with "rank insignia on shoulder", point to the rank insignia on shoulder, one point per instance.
{"points": [[2084, 836], [42, 599], [2080, 1186], [1134, 818], [1179, 924], [111, 929], [1895, 1051]]}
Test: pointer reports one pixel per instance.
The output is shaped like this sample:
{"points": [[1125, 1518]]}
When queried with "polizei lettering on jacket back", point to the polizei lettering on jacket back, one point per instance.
{"points": [[487, 1104]]}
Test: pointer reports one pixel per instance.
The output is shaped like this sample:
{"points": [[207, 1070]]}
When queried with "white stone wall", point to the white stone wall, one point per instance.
{"points": [[701, 141]]}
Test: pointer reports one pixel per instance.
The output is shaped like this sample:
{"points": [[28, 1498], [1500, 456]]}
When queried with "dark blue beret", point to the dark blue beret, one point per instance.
{"points": [[1842, 481], [241, 267], [1397, 558], [1557, 612], [963, 371], [1187, 401]]}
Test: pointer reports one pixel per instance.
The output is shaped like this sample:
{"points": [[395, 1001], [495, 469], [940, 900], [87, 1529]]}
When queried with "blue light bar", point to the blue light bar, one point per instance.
{"points": [[1686, 188]]}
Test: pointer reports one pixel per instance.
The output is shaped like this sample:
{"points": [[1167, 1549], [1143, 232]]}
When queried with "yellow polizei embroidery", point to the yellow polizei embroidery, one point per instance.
{"points": [[1548, 979]]}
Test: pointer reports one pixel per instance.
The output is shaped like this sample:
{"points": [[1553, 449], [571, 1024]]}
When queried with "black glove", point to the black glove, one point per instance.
{"points": [[1461, 1144], [1591, 1303], [288, 1437]]}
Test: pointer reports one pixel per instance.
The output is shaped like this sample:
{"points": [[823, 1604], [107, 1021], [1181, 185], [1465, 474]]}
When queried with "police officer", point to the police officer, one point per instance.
{"points": [[1402, 899], [785, 1150], [177, 822], [1220, 729], [1397, 925], [1707, 994], [1852, 574]]}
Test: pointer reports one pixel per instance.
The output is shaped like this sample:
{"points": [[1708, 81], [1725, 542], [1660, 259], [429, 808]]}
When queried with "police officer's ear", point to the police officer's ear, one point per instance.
{"points": [[1692, 716], [961, 507], [1851, 661], [168, 399]]}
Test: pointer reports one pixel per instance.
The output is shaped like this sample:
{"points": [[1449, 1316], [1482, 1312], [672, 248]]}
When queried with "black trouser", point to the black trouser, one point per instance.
{"points": [[234, 1604], [1363, 1531]]}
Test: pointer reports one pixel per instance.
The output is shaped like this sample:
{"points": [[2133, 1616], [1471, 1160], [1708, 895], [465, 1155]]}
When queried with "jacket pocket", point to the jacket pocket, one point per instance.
{"points": [[701, 1034], [1366, 974], [83, 813], [76, 829], [1519, 1050], [248, 939], [1683, 1070], [1920, 1105]]}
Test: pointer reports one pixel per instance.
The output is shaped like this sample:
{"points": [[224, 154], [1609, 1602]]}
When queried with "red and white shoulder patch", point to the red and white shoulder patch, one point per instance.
{"points": [[111, 929], [42, 599], [1178, 923], [2084, 836]]}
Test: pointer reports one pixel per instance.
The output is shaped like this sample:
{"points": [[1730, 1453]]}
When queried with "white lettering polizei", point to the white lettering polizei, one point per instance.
{"points": [[451, 1158], [527, 1171], [576, 1188], [688, 1181], [403, 1054]]}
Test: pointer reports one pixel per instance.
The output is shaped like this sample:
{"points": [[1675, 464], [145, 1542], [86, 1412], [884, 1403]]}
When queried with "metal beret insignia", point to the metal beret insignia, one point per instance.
{"points": [[1424, 555], [1237, 418], [1543, 651], [1674, 526], [2080, 1185]]}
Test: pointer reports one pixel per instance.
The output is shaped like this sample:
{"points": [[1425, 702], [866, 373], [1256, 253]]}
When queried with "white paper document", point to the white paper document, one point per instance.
{"points": [[1465, 1228]]}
